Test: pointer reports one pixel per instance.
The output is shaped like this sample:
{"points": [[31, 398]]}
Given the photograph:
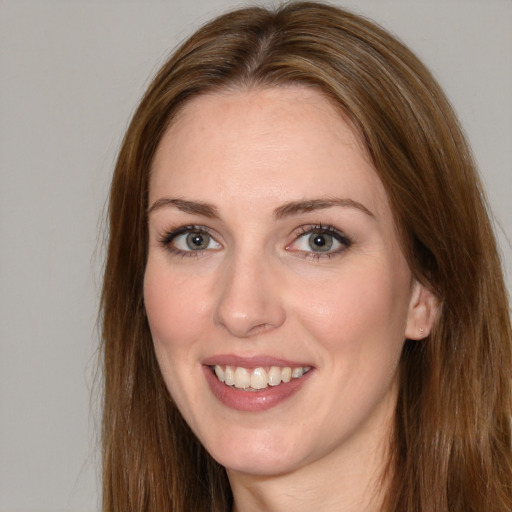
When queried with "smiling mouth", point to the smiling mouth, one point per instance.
{"points": [[259, 378]]}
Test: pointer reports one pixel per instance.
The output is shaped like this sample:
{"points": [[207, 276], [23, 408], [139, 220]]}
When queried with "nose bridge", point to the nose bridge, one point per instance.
{"points": [[249, 301]]}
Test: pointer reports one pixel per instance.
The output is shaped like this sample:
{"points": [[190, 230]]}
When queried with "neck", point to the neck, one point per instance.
{"points": [[342, 482]]}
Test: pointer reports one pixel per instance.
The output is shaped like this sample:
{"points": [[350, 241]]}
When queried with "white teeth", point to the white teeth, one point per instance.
{"points": [[229, 377], [258, 378], [219, 372], [274, 376], [297, 372], [242, 378]]}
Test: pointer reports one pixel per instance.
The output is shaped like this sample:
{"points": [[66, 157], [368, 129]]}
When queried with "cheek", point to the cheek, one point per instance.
{"points": [[174, 306], [362, 307]]}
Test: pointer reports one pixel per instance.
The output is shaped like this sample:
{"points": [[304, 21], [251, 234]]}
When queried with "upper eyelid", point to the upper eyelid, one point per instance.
{"points": [[167, 235], [326, 228], [303, 229]]}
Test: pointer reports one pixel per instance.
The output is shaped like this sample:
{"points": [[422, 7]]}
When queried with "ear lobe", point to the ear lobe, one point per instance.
{"points": [[422, 312]]}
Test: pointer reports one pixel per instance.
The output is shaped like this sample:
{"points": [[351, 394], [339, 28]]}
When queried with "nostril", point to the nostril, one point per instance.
{"points": [[255, 320]]}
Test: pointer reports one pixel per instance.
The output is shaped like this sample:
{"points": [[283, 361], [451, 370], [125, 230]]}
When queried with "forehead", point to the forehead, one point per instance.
{"points": [[286, 141], [268, 112]]}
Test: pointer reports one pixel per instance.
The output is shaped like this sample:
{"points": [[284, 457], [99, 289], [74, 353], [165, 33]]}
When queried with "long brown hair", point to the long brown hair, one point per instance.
{"points": [[451, 444]]}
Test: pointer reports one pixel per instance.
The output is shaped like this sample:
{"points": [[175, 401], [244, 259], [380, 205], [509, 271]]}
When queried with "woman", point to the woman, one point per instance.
{"points": [[303, 304]]}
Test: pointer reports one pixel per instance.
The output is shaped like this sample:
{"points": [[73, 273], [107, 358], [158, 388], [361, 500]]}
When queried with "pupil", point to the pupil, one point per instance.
{"points": [[197, 241], [320, 242]]}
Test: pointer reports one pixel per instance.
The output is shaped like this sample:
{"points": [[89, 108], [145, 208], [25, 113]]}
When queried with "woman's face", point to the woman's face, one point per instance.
{"points": [[274, 263]]}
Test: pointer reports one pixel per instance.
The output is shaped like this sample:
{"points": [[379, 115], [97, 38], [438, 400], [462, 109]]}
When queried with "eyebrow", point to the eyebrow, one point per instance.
{"points": [[194, 207], [288, 209], [298, 207]]}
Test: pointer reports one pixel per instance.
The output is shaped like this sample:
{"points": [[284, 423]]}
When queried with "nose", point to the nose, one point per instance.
{"points": [[250, 297]]}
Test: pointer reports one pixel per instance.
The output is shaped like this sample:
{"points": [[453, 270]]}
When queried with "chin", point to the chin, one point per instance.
{"points": [[256, 453]]}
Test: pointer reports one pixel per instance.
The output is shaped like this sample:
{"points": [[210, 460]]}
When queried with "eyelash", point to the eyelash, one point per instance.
{"points": [[320, 229], [170, 235], [166, 239]]}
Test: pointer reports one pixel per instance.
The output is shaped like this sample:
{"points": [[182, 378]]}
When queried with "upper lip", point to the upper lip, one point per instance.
{"points": [[251, 361]]}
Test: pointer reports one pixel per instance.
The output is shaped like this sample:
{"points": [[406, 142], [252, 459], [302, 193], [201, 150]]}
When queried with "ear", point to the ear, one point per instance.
{"points": [[422, 312]]}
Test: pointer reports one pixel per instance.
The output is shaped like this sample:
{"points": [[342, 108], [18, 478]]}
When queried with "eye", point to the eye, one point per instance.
{"points": [[320, 241], [189, 239], [317, 242], [194, 241]]}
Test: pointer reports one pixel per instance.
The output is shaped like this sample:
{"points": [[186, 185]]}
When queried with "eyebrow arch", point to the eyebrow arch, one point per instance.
{"points": [[194, 207], [298, 207]]}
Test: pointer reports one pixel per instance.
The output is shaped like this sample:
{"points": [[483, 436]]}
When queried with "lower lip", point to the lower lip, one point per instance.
{"points": [[253, 401]]}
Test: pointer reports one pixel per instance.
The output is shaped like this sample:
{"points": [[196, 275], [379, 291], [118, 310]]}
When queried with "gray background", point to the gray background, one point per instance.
{"points": [[71, 74]]}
